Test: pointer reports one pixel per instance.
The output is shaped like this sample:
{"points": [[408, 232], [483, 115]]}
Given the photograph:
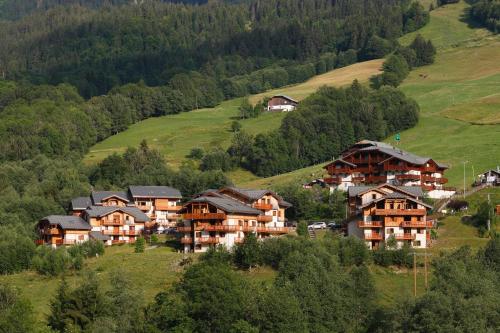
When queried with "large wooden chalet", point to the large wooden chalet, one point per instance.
{"points": [[372, 162], [113, 216], [379, 213], [281, 103], [225, 216]]}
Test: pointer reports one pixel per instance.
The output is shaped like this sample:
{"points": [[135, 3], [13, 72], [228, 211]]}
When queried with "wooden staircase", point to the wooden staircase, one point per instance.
{"points": [[312, 233]]}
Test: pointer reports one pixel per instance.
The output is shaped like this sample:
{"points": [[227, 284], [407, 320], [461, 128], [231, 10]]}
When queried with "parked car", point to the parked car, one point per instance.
{"points": [[334, 225], [170, 231], [317, 225]]}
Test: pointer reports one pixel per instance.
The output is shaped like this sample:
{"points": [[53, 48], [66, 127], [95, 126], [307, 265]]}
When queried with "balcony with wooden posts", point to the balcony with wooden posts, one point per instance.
{"points": [[404, 236], [166, 207], [262, 206], [408, 176], [144, 208], [204, 216], [118, 241], [39, 242], [207, 240], [392, 167], [369, 224], [273, 230], [131, 232], [184, 229], [373, 236], [264, 218], [376, 179], [418, 224], [359, 179], [218, 227], [112, 222], [51, 231], [400, 212], [113, 232]]}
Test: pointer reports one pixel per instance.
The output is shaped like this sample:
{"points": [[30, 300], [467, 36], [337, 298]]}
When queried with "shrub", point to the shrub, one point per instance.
{"points": [[48, 261], [154, 239], [140, 244]]}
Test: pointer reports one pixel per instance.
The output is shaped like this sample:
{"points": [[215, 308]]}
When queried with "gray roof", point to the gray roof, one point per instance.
{"points": [[99, 236], [99, 196], [228, 205], [81, 203], [412, 190], [154, 192], [99, 211], [257, 194], [286, 97], [68, 222]]}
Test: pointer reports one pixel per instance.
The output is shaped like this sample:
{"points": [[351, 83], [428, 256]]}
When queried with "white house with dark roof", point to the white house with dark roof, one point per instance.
{"points": [[281, 103], [490, 177], [225, 216]]}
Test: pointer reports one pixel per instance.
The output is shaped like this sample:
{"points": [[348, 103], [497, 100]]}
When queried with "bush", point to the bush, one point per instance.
{"points": [[48, 261], [139, 245], [248, 254], [196, 154], [153, 239], [16, 252]]}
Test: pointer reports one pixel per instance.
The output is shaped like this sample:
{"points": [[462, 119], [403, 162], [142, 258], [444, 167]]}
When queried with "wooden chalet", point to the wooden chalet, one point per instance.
{"points": [[57, 230], [227, 215], [380, 213], [370, 163], [281, 103]]}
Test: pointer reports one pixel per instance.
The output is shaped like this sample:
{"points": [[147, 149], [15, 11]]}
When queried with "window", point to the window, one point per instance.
{"points": [[390, 231], [274, 213], [407, 218], [417, 243], [222, 234], [374, 196]]}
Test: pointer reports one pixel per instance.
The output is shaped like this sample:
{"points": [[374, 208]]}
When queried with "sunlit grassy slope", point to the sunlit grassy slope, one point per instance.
{"points": [[176, 135], [459, 98]]}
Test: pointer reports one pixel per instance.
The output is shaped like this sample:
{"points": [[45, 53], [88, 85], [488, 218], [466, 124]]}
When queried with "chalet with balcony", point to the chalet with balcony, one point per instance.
{"points": [[380, 213], [281, 103], [57, 230], [490, 177], [227, 215], [370, 163]]}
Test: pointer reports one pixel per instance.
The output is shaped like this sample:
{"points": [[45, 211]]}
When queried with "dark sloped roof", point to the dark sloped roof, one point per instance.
{"points": [[492, 171], [257, 194], [98, 196], [411, 190], [154, 192], [99, 236], [68, 222], [228, 205], [286, 97], [81, 203], [99, 211]]}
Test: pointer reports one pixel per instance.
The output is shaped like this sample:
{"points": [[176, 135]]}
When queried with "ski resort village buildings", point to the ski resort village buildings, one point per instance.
{"points": [[281, 103], [113, 216], [389, 213], [371, 162], [227, 215]]}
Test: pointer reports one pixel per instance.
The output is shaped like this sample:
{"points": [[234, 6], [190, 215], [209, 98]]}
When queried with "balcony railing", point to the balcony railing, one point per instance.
{"points": [[333, 180], [168, 208], [112, 222], [419, 212], [186, 240], [418, 224], [117, 241], [144, 207], [273, 230], [376, 179], [404, 236], [264, 218], [112, 232], [205, 216], [408, 176], [223, 228], [184, 229], [340, 170], [39, 242], [373, 236], [262, 206], [369, 224], [207, 240]]}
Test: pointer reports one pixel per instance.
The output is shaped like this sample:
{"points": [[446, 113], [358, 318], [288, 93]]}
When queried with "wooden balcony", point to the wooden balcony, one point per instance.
{"points": [[222, 228], [376, 179], [186, 240], [204, 216], [168, 208], [50, 231], [369, 224], [144, 207], [262, 206], [113, 232], [357, 179], [404, 236], [333, 180], [117, 241], [131, 232], [373, 236], [207, 240], [273, 230], [334, 171], [400, 212], [398, 168], [184, 229], [408, 176], [112, 222], [264, 218], [39, 242], [418, 224]]}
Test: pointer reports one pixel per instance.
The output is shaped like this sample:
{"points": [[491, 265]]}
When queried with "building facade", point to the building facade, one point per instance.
{"points": [[281, 103], [388, 213], [490, 177], [225, 216], [371, 162], [113, 216]]}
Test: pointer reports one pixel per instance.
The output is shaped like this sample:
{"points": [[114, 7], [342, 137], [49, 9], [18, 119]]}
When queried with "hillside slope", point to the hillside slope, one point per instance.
{"points": [[459, 97], [176, 135]]}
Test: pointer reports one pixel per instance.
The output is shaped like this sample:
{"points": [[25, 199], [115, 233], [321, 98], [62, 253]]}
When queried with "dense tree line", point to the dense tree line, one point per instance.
{"points": [[320, 286], [323, 125], [97, 50], [487, 12]]}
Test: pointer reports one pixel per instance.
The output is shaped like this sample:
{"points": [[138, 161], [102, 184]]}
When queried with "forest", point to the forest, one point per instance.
{"points": [[319, 286], [486, 12]]}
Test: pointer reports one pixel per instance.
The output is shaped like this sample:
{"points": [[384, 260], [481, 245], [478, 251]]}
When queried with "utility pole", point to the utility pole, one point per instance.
{"points": [[464, 176], [489, 213], [415, 274]]}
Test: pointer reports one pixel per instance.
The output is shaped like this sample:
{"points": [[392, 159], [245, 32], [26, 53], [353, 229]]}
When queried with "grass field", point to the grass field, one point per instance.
{"points": [[176, 135], [459, 98]]}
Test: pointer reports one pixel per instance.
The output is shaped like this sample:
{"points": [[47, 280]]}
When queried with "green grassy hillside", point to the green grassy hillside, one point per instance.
{"points": [[459, 97], [176, 135]]}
